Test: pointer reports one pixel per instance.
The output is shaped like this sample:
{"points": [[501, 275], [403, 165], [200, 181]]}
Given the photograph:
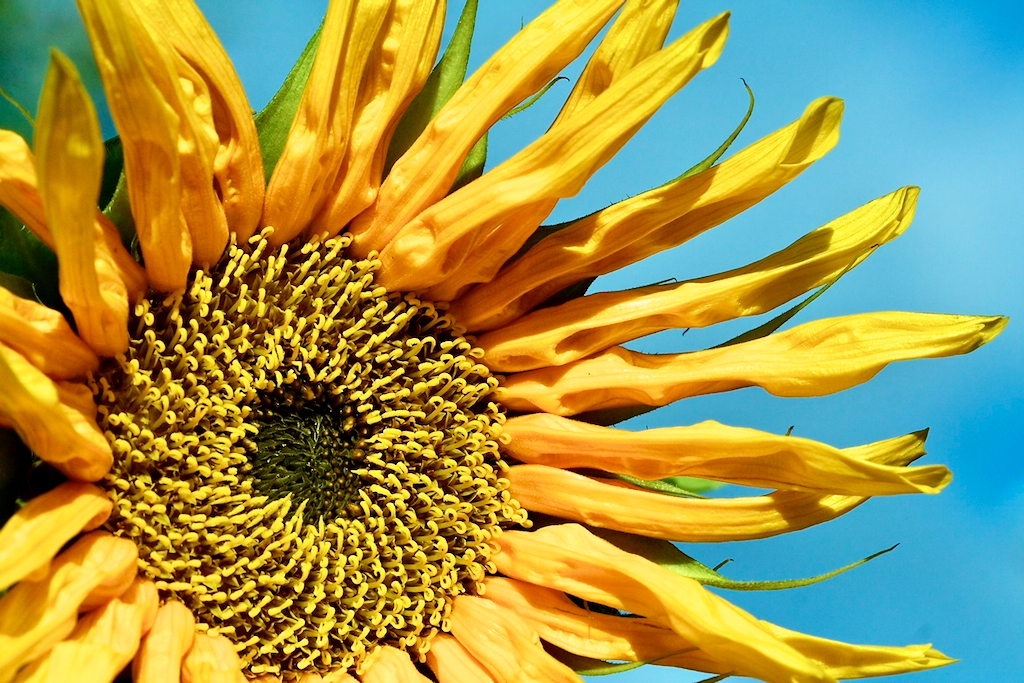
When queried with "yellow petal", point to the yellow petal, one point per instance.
{"points": [[712, 451], [102, 643], [44, 338], [133, 69], [425, 173], [568, 558], [19, 192], [561, 334], [506, 645], [212, 659], [652, 221], [34, 534], [398, 67], [163, 649], [452, 663], [55, 420], [813, 359], [220, 105], [391, 665], [456, 241], [35, 615], [311, 161], [70, 153]]}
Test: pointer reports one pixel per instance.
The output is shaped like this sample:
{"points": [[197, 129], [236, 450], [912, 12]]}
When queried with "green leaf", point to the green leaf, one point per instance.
{"points": [[24, 256], [717, 154], [676, 561], [274, 122], [446, 77], [660, 486]]}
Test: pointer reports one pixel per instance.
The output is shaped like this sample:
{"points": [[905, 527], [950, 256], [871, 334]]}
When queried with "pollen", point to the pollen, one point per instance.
{"points": [[311, 464]]}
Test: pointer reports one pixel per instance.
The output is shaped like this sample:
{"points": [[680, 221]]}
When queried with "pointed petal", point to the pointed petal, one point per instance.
{"points": [[44, 338], [397, 69], [319, 137], [506, 645], [57, 421], [36, 615], [102, 643], [590, 324], [164, 646], [452, 663], [653, 221], [813, 359], [35, 533], [219, 102], [710, 450], [212, 659], [427, 170], [568, 558], [456, 242], [391, 665]]}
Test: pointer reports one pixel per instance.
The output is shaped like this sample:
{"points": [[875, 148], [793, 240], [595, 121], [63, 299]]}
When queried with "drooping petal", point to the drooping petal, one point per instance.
{"points": [[219, 103], [452, 663], [101, 644], [44, 338], [36, 615], [313, 155], [391, 665], [32, 536], [139, 83], [212, 659], [69, 153], [162, 650], [653, 221], [561, 334], [813, 359], [568, 558], [397, 69], [425, 173], [456, 241], [55, 420], [712, 451], [506, 645]]}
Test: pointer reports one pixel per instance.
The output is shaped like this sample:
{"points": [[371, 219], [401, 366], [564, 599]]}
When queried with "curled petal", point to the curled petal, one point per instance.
{"points": [[44, 338], [452, 663], [160, 656], [813, 359], [712, 451], [212, 659], [32, 536], [391, 665], [653, 221]]}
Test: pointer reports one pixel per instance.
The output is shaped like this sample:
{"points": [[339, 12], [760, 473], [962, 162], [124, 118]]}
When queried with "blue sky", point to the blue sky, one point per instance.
{"points": [[933, 98]]}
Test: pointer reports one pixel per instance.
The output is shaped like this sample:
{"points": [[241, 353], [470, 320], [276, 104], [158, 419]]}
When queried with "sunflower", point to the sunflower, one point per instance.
{"points": [[314, 398]]}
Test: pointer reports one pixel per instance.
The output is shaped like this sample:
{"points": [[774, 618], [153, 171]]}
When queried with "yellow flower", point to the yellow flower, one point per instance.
{"points": [[285, 451]]}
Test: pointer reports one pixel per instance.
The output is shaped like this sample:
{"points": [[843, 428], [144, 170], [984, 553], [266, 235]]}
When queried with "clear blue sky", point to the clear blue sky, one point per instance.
{"points": [[934, 98]]}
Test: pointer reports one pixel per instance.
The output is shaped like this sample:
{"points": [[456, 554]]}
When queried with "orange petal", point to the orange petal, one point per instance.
{"points": [[55, 420], [44, 337], [137, 79], [35, 615], [32, 536], [391, 665], [102, 643], [425, 173], [561, 334], [313, 154], [160, 656], [212, 659], [398, 67], [712, 451], [452, 663], [220, 105], [505, 644], [653, 221], [568, 558], [813, 359], [457, 241]]}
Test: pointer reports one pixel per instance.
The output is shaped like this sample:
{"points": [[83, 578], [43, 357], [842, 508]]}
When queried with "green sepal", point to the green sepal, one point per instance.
{"points": [[676, 561], [665, 486], [694, 484], [275, 120], [588, 666], [19, 106], [606, 417], [717, 154], [18, 286], [473, 165], [15, 462], [446, 77], [533, 100], [113, 169], [119, 211], [24, 256]]}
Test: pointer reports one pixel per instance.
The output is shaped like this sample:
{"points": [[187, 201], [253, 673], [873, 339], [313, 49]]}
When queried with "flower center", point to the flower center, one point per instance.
{"points": [[309, 463]]}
